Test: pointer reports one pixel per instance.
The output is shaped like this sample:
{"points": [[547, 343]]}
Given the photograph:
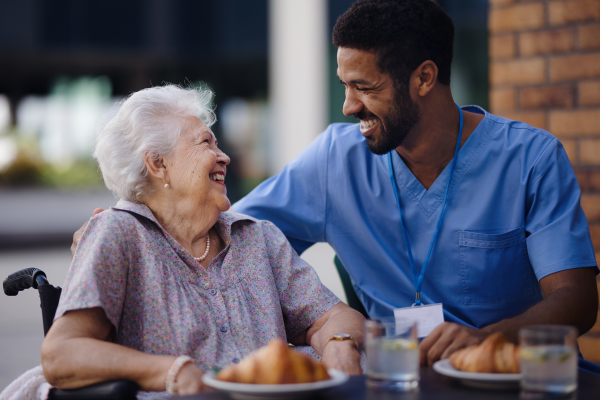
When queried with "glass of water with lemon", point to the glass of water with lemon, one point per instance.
{"points": [[392, 350], [548, 359]]}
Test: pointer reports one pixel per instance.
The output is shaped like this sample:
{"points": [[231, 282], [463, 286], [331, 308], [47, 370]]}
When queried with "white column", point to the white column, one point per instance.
{"points": [[298, 42]]}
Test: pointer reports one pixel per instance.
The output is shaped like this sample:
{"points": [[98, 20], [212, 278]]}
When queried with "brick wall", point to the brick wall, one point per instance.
{"points": [[545, 70]]}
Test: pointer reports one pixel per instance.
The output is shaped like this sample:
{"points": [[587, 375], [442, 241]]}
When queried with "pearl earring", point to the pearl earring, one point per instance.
{"points": [[166, 185]]}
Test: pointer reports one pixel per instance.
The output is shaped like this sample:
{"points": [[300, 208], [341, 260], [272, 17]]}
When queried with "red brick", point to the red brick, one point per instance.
{"points": [[571, 149], [546, 42], [502, 46], [501, 2], [502, 99], [591, 206], [537, 118], [546, 96], [595, 234], [589, 345], [516, 17], [589, 36], [596, 328], [576, 122], [566, 11], [575, 67], [529, 71], [589, 151], [588, 178], [589, 93]]}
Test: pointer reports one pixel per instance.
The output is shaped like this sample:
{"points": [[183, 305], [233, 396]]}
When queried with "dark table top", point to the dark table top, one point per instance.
{"points": [[432, 386]]}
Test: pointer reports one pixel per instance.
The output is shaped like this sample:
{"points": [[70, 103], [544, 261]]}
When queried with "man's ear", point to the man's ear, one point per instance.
{"points": [[156, 167], [425, 77]]}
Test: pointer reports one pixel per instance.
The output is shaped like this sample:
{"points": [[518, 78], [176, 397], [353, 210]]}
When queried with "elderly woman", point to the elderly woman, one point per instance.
{"points": [[170, 273]]}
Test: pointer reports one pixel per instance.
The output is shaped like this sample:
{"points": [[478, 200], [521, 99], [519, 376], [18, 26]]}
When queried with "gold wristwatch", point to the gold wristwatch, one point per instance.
{"points": [[341, 337]]}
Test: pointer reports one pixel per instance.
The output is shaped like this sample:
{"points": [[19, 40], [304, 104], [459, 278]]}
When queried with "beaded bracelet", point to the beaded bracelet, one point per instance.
{"points": [[172, 374]]}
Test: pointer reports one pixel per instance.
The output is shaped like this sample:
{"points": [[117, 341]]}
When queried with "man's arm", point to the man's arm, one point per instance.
{"points": [[295, 199], [571, 298]]}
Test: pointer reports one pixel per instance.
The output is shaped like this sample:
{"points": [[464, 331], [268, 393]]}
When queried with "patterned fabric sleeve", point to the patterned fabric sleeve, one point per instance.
{"points": [[302, 296], [98, 273]]}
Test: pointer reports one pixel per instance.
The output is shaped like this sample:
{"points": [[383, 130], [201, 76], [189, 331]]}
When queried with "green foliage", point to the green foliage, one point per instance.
{"points": [[81, 174], [28, 171], [24, 171], [248, 184]]}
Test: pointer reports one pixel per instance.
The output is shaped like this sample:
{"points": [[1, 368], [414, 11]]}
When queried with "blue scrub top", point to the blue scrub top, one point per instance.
{"points": [[512, 217]]}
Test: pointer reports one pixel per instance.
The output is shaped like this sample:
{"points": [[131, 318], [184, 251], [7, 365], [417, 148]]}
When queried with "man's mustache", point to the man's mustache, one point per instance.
{"points": [[364, 115]]}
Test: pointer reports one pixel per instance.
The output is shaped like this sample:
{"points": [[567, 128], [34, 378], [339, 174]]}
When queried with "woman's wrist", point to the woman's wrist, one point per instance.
{"points": [[341, 337], [346, 345], [343, 356], [171, 378]]}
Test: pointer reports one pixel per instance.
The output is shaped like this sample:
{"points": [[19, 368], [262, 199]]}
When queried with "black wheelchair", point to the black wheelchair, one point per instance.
{"points": [[49, 297]]}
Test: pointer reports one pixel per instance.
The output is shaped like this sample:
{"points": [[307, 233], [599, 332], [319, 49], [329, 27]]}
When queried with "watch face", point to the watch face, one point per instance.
{"points": [[342, 336]]}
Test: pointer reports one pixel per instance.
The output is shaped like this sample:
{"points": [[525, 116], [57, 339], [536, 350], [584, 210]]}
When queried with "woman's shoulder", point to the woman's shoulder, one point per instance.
{"points": [[245, 221], [114, 217], [247, 228], [114, 230], [230, 217], [117, 222]]}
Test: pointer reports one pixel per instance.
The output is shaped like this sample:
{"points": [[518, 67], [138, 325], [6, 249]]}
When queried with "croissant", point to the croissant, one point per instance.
{"points": [[272, 364], [494, 354]]}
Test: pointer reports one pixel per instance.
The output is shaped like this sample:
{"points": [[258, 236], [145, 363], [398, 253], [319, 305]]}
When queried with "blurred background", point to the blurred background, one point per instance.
{"points": [[63, 63]]}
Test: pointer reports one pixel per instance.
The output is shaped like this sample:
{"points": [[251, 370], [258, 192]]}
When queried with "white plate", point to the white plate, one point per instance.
{"points": [[289, 390], [478, 379]]}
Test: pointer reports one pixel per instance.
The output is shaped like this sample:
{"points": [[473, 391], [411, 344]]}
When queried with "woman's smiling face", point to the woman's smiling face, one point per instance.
{"points": [[196, 170]]}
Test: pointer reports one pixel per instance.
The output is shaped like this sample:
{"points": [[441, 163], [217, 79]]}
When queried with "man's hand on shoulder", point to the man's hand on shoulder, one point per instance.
{"points": [[79, 232], [446, 339]]}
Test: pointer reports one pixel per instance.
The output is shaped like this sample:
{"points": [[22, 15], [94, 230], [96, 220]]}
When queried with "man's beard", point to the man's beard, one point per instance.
{"points": [[403, 116]]}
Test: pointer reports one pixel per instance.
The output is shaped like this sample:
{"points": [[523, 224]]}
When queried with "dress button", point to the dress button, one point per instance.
{"points": [[235, 360], [223, 329], [212, 292]]}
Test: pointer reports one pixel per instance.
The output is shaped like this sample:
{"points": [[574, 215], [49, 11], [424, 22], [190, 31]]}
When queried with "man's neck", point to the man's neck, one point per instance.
{"points": [[430, 145]]}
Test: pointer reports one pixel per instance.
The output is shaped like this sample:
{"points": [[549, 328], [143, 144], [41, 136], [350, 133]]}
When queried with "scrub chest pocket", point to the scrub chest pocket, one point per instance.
{"points": [[495, 268]]}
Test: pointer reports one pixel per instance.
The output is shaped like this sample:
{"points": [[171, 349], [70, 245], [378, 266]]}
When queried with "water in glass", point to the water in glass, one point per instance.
{"points": [[392, 354], [548, 359], [392, 359], [549, 369]]}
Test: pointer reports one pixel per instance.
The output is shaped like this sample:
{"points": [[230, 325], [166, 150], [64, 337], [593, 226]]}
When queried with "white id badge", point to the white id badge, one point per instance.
{"points": [[427, 317]]}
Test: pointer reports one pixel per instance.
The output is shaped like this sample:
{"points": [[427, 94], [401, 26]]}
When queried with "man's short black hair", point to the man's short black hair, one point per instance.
{"points": [[403, 34]]}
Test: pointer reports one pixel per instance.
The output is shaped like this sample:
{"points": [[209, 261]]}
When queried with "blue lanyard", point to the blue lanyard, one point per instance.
{"points": [[419, 278]]}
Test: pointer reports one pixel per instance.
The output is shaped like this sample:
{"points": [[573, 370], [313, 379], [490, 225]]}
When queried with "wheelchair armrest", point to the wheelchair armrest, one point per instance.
{"points": [[117, 390]]}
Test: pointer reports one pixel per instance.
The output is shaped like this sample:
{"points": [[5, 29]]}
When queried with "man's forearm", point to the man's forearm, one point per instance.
{"points": [[575, 305]]}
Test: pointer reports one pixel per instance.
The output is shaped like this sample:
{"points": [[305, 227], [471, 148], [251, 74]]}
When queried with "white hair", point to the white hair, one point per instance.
{"points": [[147, 122]]}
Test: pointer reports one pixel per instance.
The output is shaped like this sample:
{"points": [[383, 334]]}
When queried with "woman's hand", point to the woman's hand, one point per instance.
{"points": [[189, 380], [343, 356]]}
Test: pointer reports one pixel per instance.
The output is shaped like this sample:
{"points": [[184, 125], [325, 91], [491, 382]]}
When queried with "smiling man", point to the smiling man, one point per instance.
{"points": [[429, 203]]}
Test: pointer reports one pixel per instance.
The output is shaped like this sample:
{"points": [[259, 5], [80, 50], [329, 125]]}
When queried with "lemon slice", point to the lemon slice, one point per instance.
{"points": [[398, 344], [527, 354]]}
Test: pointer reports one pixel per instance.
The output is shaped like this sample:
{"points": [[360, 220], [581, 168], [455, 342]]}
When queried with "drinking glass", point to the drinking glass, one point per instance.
{"points": [[392, 350], [548, 357]]}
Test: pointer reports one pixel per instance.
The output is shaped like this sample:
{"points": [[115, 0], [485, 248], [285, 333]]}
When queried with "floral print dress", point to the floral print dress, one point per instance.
{"points": [[162, 301]]}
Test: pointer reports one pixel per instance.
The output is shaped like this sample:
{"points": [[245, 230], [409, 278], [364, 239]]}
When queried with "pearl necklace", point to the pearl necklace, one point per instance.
{"points": [[203, 256]]}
